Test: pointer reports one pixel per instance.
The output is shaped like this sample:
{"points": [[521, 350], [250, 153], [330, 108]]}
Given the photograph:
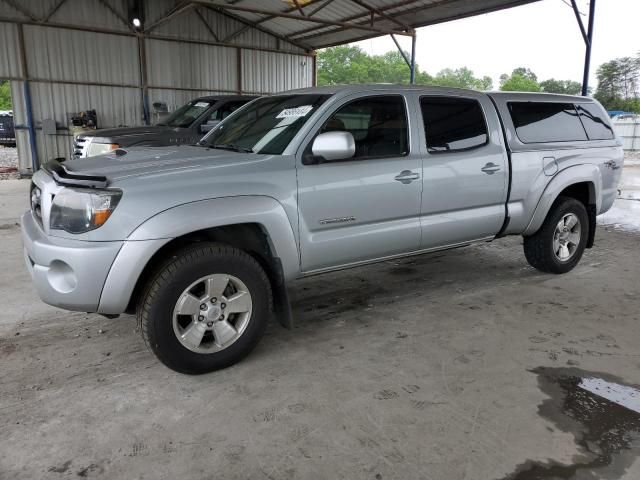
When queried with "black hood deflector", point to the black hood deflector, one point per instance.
{"points": [[68, 178]]}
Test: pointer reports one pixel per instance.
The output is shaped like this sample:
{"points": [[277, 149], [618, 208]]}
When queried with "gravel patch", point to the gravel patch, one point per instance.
{"points": [[8, 159]]}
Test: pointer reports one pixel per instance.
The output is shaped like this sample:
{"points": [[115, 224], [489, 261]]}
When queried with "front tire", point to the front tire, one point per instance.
{"points": [[205, 309], [559, 244]]}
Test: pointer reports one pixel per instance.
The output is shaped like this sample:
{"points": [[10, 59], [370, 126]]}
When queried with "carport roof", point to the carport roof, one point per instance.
{"points": [[313, 24]]}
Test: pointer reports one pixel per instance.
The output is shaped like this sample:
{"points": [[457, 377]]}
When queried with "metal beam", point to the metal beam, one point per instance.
{"points": [[407, 60], [380, 13], [299, 8], [412, 77], [51, 12], [587, 55], [117, 14], [137, 87], [587, 36], [144, 78], [293, 9], [258, 27], [410, 61], [356, 17], [329, 23], [239, 70], [81, 28], [20, 9], [233, 35], [574, 5], [405, 13], [207, 26], [177, 10], [35, 162], [319, 7], [314, 71]]}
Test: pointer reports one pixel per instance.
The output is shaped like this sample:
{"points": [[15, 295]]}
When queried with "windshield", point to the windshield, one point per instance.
{"points": [[187, 114], [265, 126]]}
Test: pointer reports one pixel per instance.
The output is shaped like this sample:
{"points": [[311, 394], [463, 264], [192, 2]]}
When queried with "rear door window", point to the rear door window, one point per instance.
{"points": [[546, 122], [453, 124], [596, 125]]}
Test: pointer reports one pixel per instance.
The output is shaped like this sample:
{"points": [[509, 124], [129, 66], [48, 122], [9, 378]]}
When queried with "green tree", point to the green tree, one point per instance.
{"points": [[618, 84], [518, 83], [525, 72], [461, 78], [342, 65], [5, 96], [566, 87], [388, 68], [521, 80], [349, 64]]}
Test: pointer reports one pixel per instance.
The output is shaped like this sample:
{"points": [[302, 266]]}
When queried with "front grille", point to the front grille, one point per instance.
{"points": [[36, 202], [80, 146]]}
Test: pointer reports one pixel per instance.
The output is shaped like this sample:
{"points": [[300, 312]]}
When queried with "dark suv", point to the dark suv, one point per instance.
{"points": [[186, 125], [7, 130]]}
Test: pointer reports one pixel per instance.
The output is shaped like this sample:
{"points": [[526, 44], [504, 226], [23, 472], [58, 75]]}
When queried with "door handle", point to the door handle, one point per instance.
{"points": [[406, 176], [490, 168]]}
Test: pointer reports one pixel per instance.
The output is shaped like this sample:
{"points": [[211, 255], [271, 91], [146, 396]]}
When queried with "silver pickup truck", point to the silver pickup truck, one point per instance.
{"points": [[200, 241]]}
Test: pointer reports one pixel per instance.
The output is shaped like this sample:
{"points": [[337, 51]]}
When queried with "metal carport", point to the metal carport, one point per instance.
{"points": [[64, 56]]}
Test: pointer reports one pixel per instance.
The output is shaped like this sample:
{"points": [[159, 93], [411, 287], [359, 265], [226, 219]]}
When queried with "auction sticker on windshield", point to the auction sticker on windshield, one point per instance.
{"points": [[202, 104], [300, 111]]}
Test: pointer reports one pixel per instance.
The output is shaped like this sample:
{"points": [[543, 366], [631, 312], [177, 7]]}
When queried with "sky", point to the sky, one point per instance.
{"points": [[543, 36]]}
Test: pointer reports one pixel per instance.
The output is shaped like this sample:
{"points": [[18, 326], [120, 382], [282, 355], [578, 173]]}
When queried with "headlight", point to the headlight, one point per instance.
{"points": [[100, 148], [79, 211]]}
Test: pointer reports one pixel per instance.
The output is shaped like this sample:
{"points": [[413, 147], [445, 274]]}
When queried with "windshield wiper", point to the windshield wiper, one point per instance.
{"points": [[234, 148]]}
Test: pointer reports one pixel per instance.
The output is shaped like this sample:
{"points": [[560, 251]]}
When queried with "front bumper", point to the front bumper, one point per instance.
{"points": [[68, 274]]}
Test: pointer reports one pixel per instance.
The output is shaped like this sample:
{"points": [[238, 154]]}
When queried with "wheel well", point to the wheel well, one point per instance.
{"points": [[585, 193], [249, 237]]}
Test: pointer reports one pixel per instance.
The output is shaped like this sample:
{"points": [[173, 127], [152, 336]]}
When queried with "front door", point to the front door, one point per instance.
{"points": [[465, 170], [368, 206]]}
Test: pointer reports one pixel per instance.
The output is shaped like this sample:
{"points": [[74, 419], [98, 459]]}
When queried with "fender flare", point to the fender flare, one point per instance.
{"points": [[586, 173], [143, 243]]}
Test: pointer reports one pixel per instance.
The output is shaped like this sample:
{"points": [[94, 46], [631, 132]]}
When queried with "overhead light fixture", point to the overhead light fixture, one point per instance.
{"points": [[137, 23]]}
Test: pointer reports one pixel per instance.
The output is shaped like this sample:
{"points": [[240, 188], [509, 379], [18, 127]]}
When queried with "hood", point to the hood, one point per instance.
{"points": [[143, 161], [122, 135]]}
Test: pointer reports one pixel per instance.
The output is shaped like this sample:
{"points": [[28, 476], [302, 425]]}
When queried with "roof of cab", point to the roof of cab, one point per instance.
{"points": [[372, 87], [505, 96], [538, 97], [217, 98]]}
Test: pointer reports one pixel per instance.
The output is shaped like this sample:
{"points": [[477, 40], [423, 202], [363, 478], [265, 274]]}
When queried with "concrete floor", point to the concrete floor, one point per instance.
{"points": [[415, 369]]}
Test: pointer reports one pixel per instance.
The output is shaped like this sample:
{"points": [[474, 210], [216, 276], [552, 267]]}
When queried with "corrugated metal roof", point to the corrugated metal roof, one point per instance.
{"points": [[322, 23]]}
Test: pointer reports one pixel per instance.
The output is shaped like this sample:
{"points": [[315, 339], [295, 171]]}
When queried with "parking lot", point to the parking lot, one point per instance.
{"points": [[455, 365]]}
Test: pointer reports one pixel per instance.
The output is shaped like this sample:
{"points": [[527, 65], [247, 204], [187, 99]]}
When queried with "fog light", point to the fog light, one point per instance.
{"points": [[62, 277]]}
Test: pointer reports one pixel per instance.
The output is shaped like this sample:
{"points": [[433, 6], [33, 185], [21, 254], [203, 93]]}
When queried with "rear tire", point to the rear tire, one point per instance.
{"points": [[193, 321], [559, 244]]}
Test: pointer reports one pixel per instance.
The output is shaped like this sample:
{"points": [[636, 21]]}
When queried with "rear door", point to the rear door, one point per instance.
{"points": [[368, 206], [465, 170]]}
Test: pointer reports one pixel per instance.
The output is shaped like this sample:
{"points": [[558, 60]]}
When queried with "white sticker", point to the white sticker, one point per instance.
{"points": [[300, 111], [202, 104]]}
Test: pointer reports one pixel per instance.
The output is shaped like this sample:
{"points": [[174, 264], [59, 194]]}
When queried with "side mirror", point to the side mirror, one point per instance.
{"points": [[334, 146], [210, 125]]}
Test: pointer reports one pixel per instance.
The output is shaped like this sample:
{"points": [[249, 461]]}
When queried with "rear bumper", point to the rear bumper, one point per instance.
{"points": [[66, 273]]}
